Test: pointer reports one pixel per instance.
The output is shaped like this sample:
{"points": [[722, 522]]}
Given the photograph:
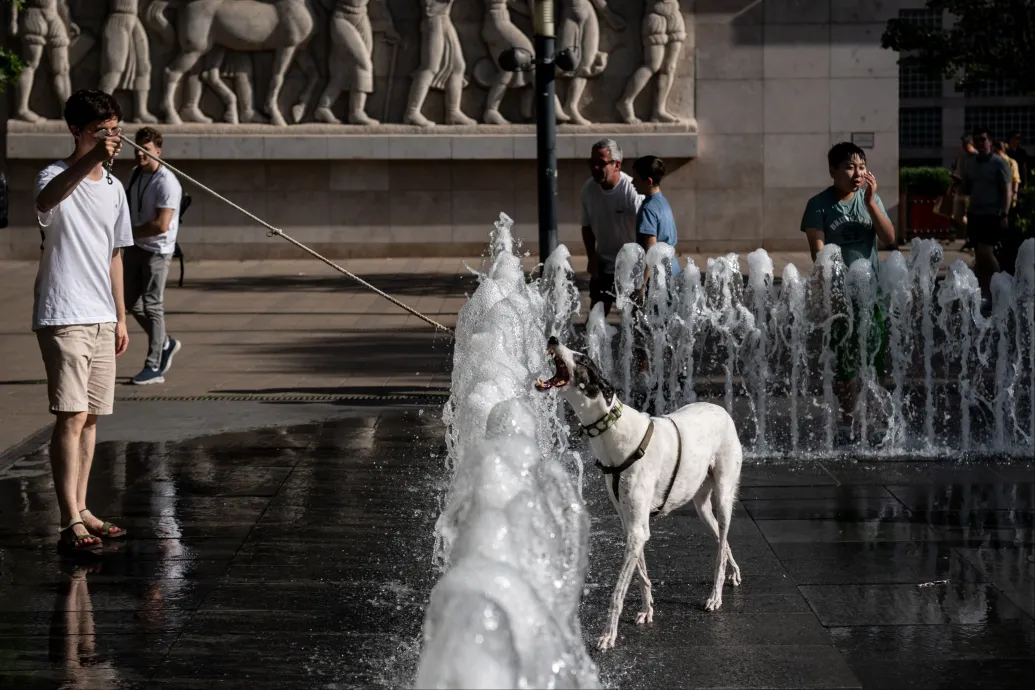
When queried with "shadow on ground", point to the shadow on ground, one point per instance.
{"points": [[412, 284], [375, 354]]}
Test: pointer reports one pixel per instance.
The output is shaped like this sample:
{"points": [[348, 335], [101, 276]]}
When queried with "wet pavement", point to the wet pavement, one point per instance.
{"points": [[300, 557]]}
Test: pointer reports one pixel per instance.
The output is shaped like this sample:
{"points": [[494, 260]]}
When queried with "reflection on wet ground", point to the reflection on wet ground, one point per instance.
{"points": [[301, 558]]}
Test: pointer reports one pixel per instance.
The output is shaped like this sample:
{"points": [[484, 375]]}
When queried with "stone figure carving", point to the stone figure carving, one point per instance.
{"points": [[442, 66], [350, 64], [580, 28], [239, 101], [664, 33], [500, 34], [125, 61], [283, 26], [44, 25]]}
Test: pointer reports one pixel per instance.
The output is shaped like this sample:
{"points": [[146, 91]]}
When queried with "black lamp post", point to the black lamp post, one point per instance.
{"points": [[544, 61]]}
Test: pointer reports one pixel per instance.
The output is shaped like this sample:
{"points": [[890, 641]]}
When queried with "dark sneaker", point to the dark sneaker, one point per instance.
{"points": [[171, 348], [147, 376]]}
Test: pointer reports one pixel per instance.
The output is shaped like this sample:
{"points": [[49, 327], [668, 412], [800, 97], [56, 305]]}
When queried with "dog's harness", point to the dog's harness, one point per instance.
{"points": [[606, 422]]}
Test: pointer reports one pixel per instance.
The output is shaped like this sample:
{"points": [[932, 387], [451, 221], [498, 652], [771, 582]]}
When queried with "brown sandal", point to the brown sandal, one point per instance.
{"points": [[71, 543], [107, 529]]}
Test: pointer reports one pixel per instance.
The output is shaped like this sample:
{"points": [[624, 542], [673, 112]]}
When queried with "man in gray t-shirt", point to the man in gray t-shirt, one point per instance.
{"points": [[154, 200], [986, 182], [609, 205]]}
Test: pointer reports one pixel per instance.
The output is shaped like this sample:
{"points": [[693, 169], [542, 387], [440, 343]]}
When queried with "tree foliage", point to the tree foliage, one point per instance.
{"points": [[11, 64], [989, 41]]}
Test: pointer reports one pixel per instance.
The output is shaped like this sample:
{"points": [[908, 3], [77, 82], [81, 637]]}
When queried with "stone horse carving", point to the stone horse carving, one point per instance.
{"points": [[284, 27]]}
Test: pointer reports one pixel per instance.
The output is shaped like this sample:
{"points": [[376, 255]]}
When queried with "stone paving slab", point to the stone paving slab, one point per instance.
{"points": [[298, 555]]}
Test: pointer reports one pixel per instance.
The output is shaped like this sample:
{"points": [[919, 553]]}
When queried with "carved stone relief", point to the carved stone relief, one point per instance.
{"points": [[44, 26], [214, 59], [126, 58], [350, 65], [580, 29], [500, 34], [442, 66], [250, 25], [664, 33]]}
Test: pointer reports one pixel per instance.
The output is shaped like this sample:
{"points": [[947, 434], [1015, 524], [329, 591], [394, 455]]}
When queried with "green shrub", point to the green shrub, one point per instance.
{"points": [[925, 181], [1025, 211]]}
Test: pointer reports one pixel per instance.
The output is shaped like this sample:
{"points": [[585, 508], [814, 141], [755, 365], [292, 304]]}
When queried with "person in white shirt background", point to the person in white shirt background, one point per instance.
{"points": [[610, 203], [78, 311], [154, 201]]}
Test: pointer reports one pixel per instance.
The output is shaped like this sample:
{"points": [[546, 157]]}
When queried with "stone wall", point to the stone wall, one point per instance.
{"points": [[761, 90]]}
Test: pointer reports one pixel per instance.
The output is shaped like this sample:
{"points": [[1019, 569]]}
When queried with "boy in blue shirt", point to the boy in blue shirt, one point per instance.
{"points": [[654, 221]]}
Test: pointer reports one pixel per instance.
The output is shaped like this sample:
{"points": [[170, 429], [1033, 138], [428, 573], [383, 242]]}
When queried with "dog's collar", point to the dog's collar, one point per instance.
{"points": [[606, 422]]}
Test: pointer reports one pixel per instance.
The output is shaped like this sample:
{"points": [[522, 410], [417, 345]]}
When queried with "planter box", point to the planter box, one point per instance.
{"points": [[924, 222]]}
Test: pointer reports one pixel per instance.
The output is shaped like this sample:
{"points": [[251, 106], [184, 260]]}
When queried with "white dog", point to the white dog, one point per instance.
{"points": [[653, 466]]}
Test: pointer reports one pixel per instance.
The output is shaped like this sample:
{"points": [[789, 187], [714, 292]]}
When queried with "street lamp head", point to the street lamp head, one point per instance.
{"points": [[516, 60], [567, 60]]}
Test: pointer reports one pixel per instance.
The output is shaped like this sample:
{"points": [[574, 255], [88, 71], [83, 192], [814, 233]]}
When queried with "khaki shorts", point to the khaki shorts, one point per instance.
{"points": [[80, 363]]}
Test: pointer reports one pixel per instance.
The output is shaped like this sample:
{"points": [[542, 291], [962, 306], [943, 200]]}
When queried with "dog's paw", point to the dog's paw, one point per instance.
{"points": [[735, 578], [645, 617], [606, 641], [714, 603]]}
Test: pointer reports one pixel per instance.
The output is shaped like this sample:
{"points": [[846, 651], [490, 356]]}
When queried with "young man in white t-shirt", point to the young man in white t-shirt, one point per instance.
{"points": [[78, 312], [610, 203], [154, 202]]}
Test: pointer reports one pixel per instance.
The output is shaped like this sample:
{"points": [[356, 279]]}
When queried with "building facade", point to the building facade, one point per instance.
{"points": [[752, 93], [935, 113]]}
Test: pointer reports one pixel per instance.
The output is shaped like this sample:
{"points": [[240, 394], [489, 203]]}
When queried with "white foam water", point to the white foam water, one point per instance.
{"points": [[954, 378], [512, 538], [957, 375]]}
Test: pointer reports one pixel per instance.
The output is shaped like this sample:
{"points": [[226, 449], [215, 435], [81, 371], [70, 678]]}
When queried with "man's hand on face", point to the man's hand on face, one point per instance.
{"points": [[871, 187]]}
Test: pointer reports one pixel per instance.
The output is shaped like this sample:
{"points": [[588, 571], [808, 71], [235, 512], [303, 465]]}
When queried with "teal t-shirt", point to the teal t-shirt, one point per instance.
{"points": [[845, 223]]}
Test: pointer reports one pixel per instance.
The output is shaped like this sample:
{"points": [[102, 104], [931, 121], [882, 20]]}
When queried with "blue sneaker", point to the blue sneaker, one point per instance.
{"points": [[146, 376], [171, 348]]}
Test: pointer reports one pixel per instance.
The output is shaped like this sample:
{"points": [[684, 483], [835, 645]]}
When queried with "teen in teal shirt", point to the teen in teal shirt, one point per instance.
{"points": [[850, 214]]}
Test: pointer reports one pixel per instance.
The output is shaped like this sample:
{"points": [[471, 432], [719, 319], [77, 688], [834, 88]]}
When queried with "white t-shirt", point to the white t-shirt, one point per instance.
{"points": [[73, 284], [611, 214], [147, 194]]}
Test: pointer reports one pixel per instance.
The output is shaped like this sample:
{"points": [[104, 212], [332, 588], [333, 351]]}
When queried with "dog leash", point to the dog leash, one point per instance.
{"points": [[276, 232]]}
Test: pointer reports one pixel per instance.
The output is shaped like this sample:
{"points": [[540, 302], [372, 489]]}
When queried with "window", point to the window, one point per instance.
{"points": [[920, 128], [931, 19], [992, 89], [913, 82], [1002, 120]]}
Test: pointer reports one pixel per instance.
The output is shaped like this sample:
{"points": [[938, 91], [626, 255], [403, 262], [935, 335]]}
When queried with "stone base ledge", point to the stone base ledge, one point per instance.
{"points": [[51, 140]]}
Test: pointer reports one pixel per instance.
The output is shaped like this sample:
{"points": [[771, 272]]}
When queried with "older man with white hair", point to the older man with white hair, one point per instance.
{"points": [[609, 206]]}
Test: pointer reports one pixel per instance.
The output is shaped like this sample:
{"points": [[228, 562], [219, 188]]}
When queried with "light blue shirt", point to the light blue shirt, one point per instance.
{"points": [[655, 219]]}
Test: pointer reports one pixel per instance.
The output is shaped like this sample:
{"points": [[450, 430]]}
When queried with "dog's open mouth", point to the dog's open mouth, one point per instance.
{"points": [[560, 378]]}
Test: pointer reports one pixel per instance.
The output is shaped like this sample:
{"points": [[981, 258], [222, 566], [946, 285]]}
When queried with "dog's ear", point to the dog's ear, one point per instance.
{"points": [[588, 378]]}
